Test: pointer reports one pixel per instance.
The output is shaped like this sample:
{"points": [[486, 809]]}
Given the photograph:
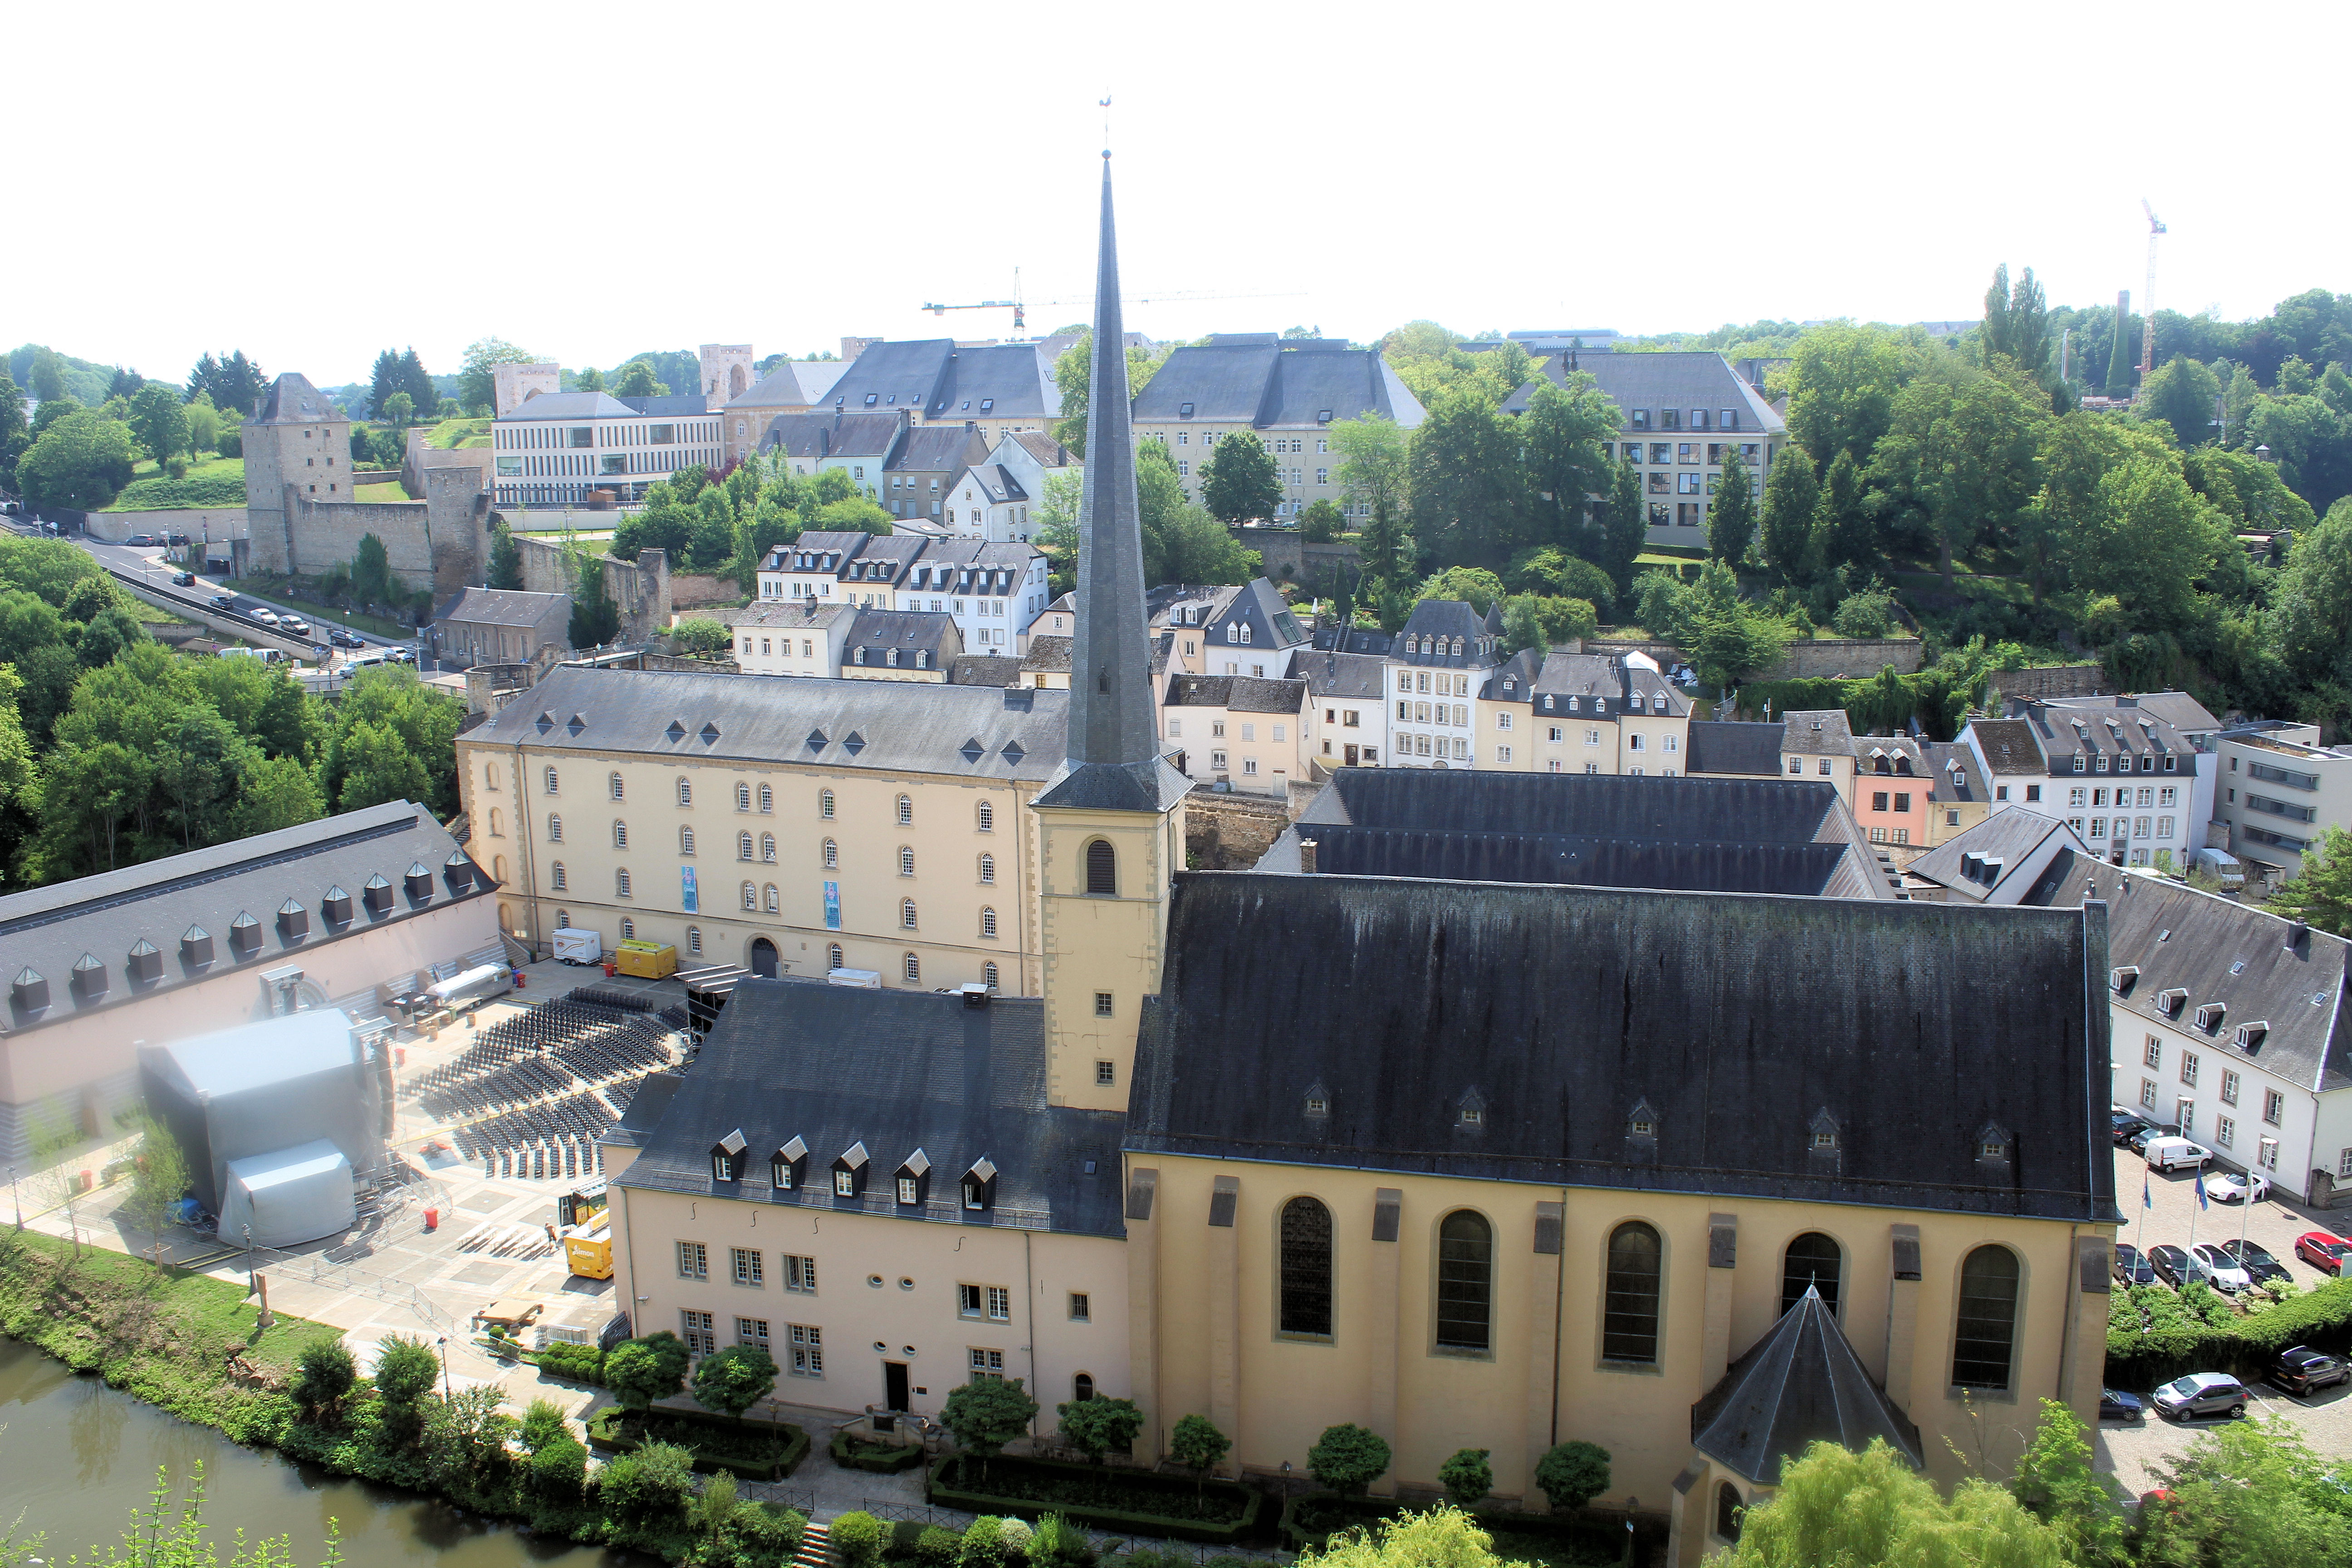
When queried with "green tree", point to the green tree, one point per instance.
{"points": [[81, 460], [2017, 323], [2146, 540], [1348, 1459], [383, 380], [1837, 1507], [1550, 572], [558, 1469], [1731, 519], [477, 383], [399, 410], [852, 512], [1373, 462], [654, 1485], [1468, 487], [637, 380], [1190, 546], [1792, 495], [1074, 374], [48, 375], [423, 398], [1563, 459], [1572, 1474], [324, 1376], [986, 1414], [588, 379], [372, 571], [2321, 890], [2247, 1494], [1387, 550], [1844, 528], [159, 1178], [405, 1371], [465, 1437], [2056, 1482], [2122, 350], [1961, 449], [642, 1370], [1475, 585], [1467, 1477], [733, 1380], [377, 766], [506, 557], [53, 409], [159, 420], [2238, 406], [1097, 1427], [1624, 528], [15, 435], [1842, 381], [856, 1539], [2184, 396], [1197, 1445], [1442, 1537], [718, 1504], [1240, 483], [1321, 522], [203, 423]]}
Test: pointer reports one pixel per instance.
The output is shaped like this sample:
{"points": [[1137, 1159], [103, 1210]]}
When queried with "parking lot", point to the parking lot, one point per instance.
{"points": [[2171, 1216]]}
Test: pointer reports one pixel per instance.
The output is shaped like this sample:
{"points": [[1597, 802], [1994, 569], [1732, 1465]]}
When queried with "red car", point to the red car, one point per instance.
{"points": [[2323, 1250]]}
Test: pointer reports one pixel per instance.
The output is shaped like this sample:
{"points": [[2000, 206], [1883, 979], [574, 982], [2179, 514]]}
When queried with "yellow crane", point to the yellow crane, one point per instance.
{"points": [[2147, 300]]}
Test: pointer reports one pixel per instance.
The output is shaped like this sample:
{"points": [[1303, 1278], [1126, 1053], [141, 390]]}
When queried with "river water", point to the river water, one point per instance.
{"points": [[76, 1457]]}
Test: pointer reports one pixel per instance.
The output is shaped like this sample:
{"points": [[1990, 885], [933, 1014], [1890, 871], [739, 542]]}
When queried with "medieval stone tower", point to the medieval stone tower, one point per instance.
{"points": [[298, 448], [513, 384], [726, 370]]}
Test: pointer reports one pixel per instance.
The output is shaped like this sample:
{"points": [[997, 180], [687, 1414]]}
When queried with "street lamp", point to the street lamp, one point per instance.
{"points": [[444, 1343], [18, 1198], [248, 1259]]}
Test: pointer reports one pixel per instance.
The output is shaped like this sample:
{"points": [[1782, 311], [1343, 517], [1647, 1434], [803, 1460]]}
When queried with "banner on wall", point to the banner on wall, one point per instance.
{"points": [[833, 906], [686, 888]]}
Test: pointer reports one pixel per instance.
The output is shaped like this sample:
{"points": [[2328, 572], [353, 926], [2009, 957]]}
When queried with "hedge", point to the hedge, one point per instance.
{"points": [[882, 1459], [714, 1441], [1088, 1494], [1308, 1523], [2174, 1343], [574, 1364]]}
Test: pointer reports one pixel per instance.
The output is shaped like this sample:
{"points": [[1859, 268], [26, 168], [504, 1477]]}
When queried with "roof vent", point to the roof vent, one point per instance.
{"points": [[2209, 1016], [708, 734], [376, 894], [418, 881], [1012, 753], [2121, 978], [854, 743], [30, 992], [2170, 1000], [244, 934], [145, 962], [972, 751], [336, 907], [677, 731], [195, 947], [2249, 1037], [816, 741], [459, 870], [574, 725], [1322, 416], [544, 723], [293, 921], [976, 993], [89, 977]]}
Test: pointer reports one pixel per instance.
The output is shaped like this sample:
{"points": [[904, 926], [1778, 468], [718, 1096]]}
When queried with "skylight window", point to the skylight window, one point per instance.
{"points": [[872, 398], [986, 404]]}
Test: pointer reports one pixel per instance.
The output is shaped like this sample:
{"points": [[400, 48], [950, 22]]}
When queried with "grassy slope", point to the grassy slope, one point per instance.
{"points": [[384, 492], [220, 481]]}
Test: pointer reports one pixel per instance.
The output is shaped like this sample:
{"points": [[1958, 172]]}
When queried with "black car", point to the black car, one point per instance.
{"points": [[2115, 1404], [340, 638], [176, 538], [2302, 1370], [222, 602], [2259, 1265], [2132, 1266], [2177, 1267], [2127, 1126], [183, 579]]}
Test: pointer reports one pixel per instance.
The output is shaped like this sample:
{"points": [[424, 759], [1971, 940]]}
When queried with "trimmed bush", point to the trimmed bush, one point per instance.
{"points": [[937, 1547], [1573, 1474], [1348, 1457], [857, 1540], [755, 1451], [558, 1471], [574, 1364], [854, 1453], [982, 1545], [1144, 1504]]}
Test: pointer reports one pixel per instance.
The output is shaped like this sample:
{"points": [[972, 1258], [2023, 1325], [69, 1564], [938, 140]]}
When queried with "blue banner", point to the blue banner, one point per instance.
{"points": [[685, 883], [833, 906]]}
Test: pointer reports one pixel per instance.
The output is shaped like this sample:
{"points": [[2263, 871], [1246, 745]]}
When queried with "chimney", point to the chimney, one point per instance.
{"points": [[1307, 856], [2295, 933]]}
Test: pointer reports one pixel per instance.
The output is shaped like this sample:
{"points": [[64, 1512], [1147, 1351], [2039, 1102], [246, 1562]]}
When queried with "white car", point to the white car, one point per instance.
{"points": [[2230, 1276], [267, 617], [2229, 1187]]}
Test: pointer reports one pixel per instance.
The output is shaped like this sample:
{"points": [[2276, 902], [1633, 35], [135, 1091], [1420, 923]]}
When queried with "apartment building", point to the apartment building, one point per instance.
{"points": [[1443, 658], [796, 386], [1001, 389], [558, 448], [791, 827], [1547, 712], [1287, 392], [991, 498], [1347, 707], [925, 465], [2190, 720], [2122, 778], [1236, 730], [2279, 789], [990, 589], [902, 645], [1684, 414], [1893, 791], [857, 444], [1961, 799], [796, 637]]}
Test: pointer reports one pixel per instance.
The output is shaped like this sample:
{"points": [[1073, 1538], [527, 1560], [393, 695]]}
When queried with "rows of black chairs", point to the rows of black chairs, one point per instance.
{"points": [[551, 1137], [623, 1001]]}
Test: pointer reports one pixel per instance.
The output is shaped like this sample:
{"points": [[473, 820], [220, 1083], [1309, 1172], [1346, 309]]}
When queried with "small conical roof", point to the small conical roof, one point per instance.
{"points": [[1801, 1383]]}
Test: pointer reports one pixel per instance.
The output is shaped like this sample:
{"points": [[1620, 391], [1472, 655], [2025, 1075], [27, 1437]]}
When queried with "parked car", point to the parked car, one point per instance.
{"points": [[404, 654], [2303, 1370], [2115, 1404], [2132, 1266], [141, 539], [2259, 1265], [2324, 1250], [2128, 1125], [2202, 1394], [183, 579], [2233, 1187], [342, 638], [2150, 1133], [2176, 1155], [2177, 1267], [222, 602], [176, 539], [2228, 1278]]}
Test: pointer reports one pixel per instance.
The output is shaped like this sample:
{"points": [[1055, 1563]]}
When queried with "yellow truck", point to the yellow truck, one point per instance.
{"points": [[647, 960], [587, 1230]]}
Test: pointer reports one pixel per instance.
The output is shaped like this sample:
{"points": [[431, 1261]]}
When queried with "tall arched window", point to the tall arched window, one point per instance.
{"points": [[832, 854], [619, 836], [686, 840], [767, 798], [555, 879], [906, 811], [1102, 868], [906, 860], [987, 922], [621, 883], [742, 847], [907, 913], [742, 796], [988, 975], [833, 956], [1728, 1510], [613, 781], [768, 898], [768, 847], [751, 897], [1986, 1332], [1306, 1268], [498, 869], [1082, 1387], [986, 817], [825, 803], [1811, 1259], [913, 970], [554, 828], [685, 792], [1629, 1322], [551, 781], [1466, 1282], [988, 868], [496, 831], [628, 929]]}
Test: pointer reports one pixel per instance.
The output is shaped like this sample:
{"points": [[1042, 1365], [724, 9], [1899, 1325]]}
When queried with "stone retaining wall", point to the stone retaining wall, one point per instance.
{"points": [[223, 523], [1230, 832]]}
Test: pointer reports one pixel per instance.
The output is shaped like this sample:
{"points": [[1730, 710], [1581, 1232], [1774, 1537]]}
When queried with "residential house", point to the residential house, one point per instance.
{"points": [[2280, 790], [1250, 632], [1683, 414], [856, 445], [991, 589], [1724, 749], [1546, 710], [992, 497], [2188, 717], [1236, 730], [1960, 796], [916, 475], [2007, 755], [796, 386], [794, 636], [1347, 707], [902, 645], [1444, 653], [1287, 392], [1059, 619], [1001, 389], [2021, 857], [499, 625], [1047, 664], [2128, 777], [1819, 744], [1182, 612], [560, 447], [1893, 791]]}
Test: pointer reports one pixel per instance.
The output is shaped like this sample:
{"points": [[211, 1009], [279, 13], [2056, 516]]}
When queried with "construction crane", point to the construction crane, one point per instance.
{"points": [[1020, 308], [2148, 299]]}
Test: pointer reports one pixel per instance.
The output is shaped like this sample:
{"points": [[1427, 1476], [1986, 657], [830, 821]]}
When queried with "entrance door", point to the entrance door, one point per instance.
{"points": [[1351, 756], [894, 1384], [763, 957]]}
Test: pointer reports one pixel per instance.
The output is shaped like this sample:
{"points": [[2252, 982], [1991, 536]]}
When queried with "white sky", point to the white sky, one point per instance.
{"points": [[1637, 167]]}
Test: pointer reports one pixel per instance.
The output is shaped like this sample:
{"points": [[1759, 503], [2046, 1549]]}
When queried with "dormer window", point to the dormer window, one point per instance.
{"points": [[727, 1157], [914, 1180], [1509, 684], [1992, 1142], [2121, 978], [2208, 1017], [1319, 1099], [1823, 1132], [2249, 1037], [788, 1166], [1642, 1122], [1574, 704], [849, 1172], [1470, 1110], [979, 1186]]}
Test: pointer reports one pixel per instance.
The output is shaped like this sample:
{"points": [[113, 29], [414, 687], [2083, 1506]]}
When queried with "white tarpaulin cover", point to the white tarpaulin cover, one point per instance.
{"points": [[289, 1197]]}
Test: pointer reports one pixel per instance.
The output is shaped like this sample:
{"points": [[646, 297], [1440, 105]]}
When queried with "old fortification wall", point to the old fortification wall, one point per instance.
{"points": [[199, 523], [1231, 832], [639, 590]]}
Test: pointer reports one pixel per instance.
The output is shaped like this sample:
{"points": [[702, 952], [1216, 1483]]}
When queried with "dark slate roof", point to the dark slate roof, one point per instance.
{"points": [[1359, 639], [907, 631], [49, 929], [1236, 693], [1595, 829], [1627, 685], [898, 726], [794, 384], [1166, 605], [2178, 708], [936, 449], [996, 483], [1680, 380], [932, 375], [292, 400], [1272, 624], [1438, 623], [1049, 453], [819, 436], [671, 405], [926, 1072], [2009, 747], [647, 1104], [1957, 777], [984, 669], [1047, 653], [1729, 748], [1255, 379], [2292, 981], [2073, 877], [2000, 858], [1817, 732], [572, 406], [501, 606], [1351, 675], [1562, 1009], [1800, 1385], [2122, 733]]}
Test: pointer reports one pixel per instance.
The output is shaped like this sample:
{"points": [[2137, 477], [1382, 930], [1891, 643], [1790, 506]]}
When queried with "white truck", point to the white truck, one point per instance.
{"points": [[2221, 864], [579, 946]]}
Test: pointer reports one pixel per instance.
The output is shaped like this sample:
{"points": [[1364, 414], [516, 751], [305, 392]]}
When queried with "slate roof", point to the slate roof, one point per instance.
{"points": [[1166, 605], [1546, 679], [292, 400], [1259, 380], [1657, 382], [933, 376], [1344, 675], [936, 449], [2000, 858], [1959, 780], [926, 1072], [790, 613], [1817, 732], [1800, 1385], [2010, 747], [1598, 829], [673, 405], [2292, 981], [1563, 1008], [1722, 747], [984, 669], [997, 485], [907, 631], [47, 931], [647, 1104], [572, 406], [891, 725], [1359, 639], [1258, 604], [2178, 708], [1236, 693], [1047, 653], [1049, 453], [1438, 627], [796, 384], [2125, 734], [817, 437], [501, 606]]}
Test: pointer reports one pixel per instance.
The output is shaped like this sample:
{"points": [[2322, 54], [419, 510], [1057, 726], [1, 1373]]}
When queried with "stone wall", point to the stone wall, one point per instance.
{"points": [[1230, 832], [2053, 681], [1288, 557], [1856, 659], [440, 542], [222, 523], [640, 590], [690, 591], [420, 457]]}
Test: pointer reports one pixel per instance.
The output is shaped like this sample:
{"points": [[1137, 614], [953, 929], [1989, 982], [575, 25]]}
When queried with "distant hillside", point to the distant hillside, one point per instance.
{"points": [[84, 380]]}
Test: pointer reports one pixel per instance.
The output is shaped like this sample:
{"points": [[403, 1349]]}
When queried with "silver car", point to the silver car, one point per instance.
{"points": [[2202, 1394]]}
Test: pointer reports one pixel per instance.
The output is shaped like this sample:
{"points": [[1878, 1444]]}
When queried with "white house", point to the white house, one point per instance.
{"points": [[991, 498]]}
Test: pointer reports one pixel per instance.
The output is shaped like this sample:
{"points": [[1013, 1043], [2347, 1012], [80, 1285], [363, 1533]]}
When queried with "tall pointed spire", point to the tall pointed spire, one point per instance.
{"points": [[1113, 743]]}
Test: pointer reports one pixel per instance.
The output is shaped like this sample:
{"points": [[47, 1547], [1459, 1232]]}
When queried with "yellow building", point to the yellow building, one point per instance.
{"points": [[1553, 712]]}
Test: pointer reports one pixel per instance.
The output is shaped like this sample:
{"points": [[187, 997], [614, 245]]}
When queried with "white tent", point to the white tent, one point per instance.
{"points": [[290, 1196]]}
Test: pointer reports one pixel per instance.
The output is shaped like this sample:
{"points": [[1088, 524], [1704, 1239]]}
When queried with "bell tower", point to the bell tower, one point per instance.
{"points": [[1111, 821]]}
